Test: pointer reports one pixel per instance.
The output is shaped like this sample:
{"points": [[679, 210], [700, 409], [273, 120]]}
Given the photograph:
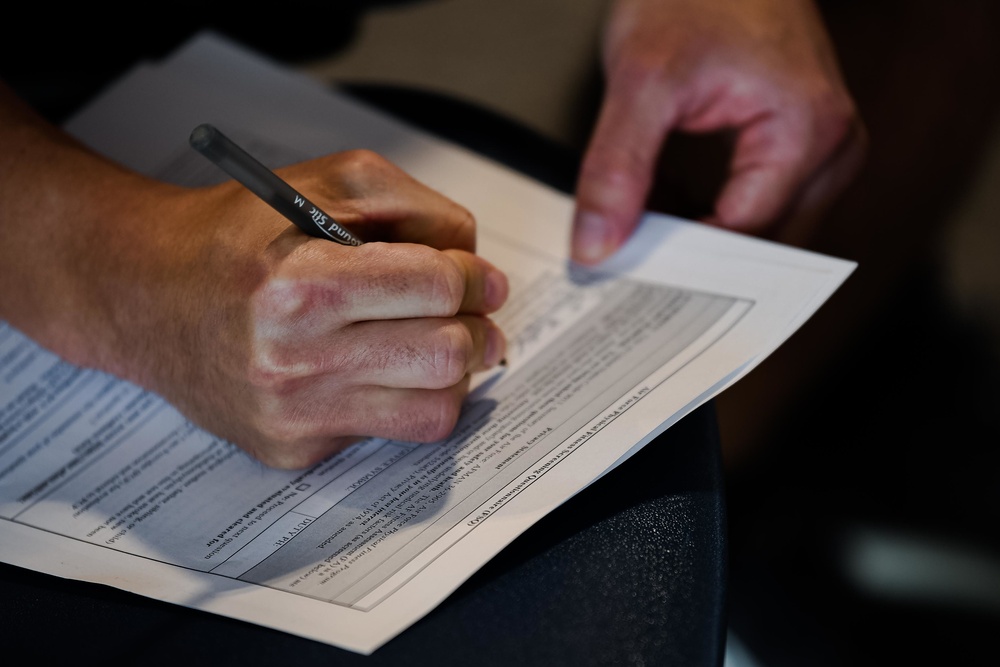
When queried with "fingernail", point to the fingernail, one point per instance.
{"points": [[496, 289], [591, 238]]}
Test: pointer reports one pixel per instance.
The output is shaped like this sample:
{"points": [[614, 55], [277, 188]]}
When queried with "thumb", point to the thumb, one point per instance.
{"points": [[617, 171]]}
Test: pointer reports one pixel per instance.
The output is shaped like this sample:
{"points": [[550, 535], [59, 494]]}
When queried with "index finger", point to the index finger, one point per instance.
{"points": [[381, 202], [618, 166], [321, 286]]}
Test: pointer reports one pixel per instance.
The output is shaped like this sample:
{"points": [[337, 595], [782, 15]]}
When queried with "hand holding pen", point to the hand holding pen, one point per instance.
{"points": [[339, 339], [289, 346], [292, 347]]}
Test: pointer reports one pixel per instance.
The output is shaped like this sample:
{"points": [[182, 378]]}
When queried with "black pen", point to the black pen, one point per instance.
{"points": [[264, 183]]}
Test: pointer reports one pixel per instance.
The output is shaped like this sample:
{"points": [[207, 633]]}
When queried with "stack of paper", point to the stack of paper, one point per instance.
{"points": [[102, 481]]}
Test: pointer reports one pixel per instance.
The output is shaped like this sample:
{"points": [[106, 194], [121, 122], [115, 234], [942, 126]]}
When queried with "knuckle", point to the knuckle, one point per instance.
{"points": [[612, 180], [280, 301], [447, 282], [265, 373], [290, 423], [275, 455], [278, 425], [286, 433], [275, 373], [275, 299], [612, 167], [839, 120], [282, 306], [463, 228], [439, 419], [452, 351], [465, 219], [262, 378], [270, 379], [365, 161]]}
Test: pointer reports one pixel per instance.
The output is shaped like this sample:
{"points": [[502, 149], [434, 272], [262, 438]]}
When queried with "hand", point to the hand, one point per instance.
{"points": [[291, 347], [762, 68]]}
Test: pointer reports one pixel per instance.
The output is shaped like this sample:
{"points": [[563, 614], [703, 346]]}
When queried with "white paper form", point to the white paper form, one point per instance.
{"points": [[102, 481]]}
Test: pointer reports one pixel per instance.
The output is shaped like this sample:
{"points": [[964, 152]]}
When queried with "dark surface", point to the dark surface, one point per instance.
{"points": [[631, 571], [902, 441]]}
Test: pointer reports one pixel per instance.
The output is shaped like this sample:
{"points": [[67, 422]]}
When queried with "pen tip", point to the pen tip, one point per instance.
{"points": [[202, 136]]}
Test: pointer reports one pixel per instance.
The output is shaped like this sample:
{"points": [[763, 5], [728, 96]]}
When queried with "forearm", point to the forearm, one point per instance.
{"points": [[60, 205]]}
